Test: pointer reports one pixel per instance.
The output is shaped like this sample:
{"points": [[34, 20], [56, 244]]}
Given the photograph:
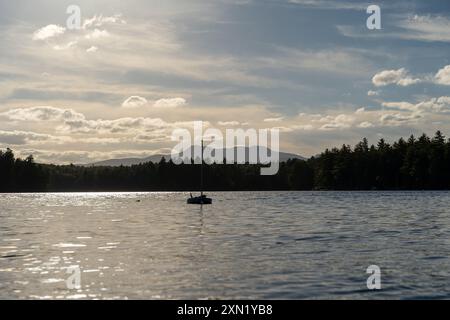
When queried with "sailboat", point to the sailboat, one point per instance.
{"points": [[203, 199]]}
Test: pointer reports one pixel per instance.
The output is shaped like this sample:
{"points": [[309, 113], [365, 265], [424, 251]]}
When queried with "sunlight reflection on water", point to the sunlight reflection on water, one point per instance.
{"points": [[266, 245]]}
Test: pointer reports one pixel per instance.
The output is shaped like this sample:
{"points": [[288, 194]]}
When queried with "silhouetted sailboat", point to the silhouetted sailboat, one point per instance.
{"points": [[203, 199]]}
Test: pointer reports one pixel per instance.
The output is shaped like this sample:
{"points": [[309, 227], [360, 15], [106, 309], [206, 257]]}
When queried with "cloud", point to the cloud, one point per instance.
{"points": [[89, 34], [170, 103], [341, 121], [42, 114], [426, 28], [372, 93], [117, 126], [92, 49], [151, 137], [398, 119], [125, 59], [338, 61], [97, 34], [183, 68], [330, 4], [443, 76], [228, 123], [100, 20], [435, 105], [18, 137], [400, 105], [24, 137], [103, 141], [72, 122], [137, 101], [399, 77], [393, 114], [305, 127], [365, 125], [48, 32], [274, 119], [69, 45], [134, 102], [123, 126]]}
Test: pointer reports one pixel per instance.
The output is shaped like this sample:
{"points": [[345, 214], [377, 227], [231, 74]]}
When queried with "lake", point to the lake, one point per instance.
{"points": [[246, 245]]}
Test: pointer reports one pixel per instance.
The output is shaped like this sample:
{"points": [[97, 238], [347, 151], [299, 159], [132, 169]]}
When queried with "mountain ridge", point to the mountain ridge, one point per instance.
{"points": [[117, 162]]}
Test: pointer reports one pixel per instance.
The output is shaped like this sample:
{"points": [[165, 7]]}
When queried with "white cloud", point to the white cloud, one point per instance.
{"points": [[117, 126], [304, 127], [97, 34], [151, 137], [434, 105], [17, 137], [72, 122], [228, 123], [100, 20], [339, 61], [399, 77], [408, 81], [429, 28], [365, 124], [137, 101], [341, 121], [443, 76], [48, 32], [426, 28], [170, 103], [394, 114], [44, 113], [92, 49], [372, 93], [274, 119], [134, 102], [69, 45], [400, 105], [103, 141], [398, 119], [133, 44]]}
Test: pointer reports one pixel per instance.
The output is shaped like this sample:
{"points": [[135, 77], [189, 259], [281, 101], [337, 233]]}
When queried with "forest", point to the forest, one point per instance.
{"points": [[418, 163]]}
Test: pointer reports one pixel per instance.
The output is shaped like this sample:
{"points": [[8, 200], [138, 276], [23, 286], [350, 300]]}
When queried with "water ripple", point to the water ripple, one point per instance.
{"points": [[268, 245]]}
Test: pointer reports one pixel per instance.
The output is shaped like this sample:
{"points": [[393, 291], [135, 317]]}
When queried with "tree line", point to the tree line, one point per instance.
{"points": [[421, 163]]}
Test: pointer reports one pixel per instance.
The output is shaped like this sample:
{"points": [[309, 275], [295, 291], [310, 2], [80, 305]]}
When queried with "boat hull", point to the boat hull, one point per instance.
{"points": [[199, 200]]}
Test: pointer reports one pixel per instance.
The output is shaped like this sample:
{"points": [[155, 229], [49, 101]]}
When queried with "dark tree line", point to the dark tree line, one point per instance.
{"points": [[413, 164], [21, 175]]}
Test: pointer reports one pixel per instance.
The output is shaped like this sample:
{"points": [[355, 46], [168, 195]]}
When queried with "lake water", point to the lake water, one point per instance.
{"points": [[269, 245]]}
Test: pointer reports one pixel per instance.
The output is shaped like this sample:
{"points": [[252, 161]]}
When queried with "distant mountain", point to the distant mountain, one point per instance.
{"points": [[128, 161], [283, 156]]}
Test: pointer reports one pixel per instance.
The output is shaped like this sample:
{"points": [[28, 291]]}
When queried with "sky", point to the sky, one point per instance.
{"points": [[138, 69]]}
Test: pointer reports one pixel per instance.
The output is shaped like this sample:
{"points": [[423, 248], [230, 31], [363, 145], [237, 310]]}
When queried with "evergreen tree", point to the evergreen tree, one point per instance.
{"points": [[414, 164]]}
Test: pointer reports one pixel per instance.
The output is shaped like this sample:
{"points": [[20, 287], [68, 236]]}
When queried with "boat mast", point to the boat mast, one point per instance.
{"points": [[201, 174]]}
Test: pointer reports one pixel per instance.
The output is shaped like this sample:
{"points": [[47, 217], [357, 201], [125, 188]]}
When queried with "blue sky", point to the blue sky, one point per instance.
{"points": [[139, 69]]}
